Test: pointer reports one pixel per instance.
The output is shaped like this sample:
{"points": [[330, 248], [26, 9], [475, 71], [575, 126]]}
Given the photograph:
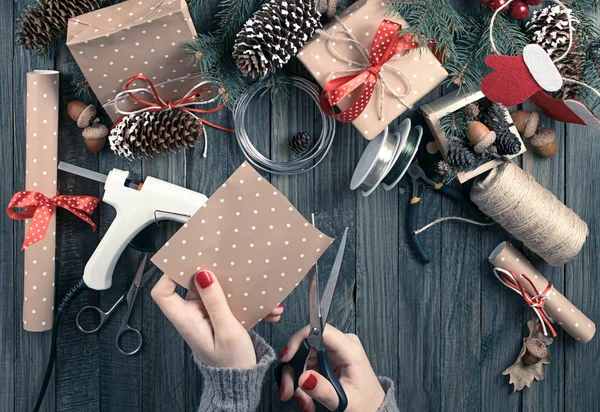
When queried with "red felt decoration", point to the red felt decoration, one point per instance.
{"points": [[519, 10], [511, 83]]}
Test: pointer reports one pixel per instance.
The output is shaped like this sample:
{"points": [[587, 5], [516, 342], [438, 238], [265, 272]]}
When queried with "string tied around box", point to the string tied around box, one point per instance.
{"points": [[535, 302], [40, 208], [188, 103], [388, 45]]}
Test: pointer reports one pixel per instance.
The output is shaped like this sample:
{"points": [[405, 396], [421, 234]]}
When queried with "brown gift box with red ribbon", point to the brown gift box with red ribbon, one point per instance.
{"points": [[371, 83], [115, 43]]}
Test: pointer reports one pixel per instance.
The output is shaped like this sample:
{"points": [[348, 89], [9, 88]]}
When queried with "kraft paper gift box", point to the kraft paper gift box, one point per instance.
{"points": [[450, 103], [115, 43], [421, 71]]}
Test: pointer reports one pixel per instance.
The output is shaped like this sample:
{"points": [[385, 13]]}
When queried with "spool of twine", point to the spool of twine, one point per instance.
{"points": [[530, 213]]}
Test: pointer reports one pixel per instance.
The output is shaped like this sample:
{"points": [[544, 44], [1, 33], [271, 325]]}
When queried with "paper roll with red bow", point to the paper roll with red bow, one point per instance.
{"points": [[530, 76]]}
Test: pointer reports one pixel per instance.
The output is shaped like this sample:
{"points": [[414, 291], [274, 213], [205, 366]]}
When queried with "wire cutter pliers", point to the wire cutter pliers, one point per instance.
{"points": [[419, 182]]}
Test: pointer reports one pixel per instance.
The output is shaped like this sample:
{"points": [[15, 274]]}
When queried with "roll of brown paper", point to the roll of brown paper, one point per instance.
{"points": [[562, 311], [41, 153]]}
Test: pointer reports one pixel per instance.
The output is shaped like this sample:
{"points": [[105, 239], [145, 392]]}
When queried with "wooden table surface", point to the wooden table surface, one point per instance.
{"points": [[444, 331]]}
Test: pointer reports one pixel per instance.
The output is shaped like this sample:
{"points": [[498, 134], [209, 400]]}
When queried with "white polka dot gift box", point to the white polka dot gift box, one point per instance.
{"points": [[40, 176], [252, 238], [369, 71], [134, 37], [555, 305]]}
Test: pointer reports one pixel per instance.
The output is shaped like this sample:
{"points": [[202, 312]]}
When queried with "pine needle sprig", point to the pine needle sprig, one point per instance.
{"points": [[433, 20], [455, 124]]}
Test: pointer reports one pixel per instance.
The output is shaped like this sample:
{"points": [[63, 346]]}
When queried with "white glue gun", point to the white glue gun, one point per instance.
{"points": [[137, 206]]}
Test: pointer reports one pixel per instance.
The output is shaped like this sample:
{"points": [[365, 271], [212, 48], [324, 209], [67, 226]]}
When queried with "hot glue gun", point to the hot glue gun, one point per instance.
{"points": [[137, 206]]}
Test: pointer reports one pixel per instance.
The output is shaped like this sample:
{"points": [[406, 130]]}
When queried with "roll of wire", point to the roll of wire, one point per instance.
{"points": [[309, 160], [407, 154]]}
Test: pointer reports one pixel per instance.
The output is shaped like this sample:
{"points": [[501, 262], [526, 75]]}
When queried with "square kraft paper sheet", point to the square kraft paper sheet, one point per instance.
{"points": [[254, 241]]}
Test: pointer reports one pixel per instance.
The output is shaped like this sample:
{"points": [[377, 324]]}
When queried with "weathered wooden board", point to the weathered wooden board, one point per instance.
{"points": [[444, 331]]}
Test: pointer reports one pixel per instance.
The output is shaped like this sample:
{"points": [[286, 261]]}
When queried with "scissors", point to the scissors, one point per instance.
{"points": [[318, 320], [139, 281]]}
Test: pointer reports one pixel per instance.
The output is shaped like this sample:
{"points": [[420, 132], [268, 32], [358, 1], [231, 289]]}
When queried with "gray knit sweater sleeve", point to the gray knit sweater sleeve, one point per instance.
{"points": [[389, 403], [235, 390]]}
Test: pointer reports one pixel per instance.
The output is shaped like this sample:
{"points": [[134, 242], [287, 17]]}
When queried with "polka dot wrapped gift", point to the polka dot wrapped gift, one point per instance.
{"points": [[252, 238], [134, 37], [369, 71], [540, 294]]}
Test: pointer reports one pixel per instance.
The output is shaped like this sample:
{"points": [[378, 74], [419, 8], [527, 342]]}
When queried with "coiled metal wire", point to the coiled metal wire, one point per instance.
{"points": [[309, 160]]}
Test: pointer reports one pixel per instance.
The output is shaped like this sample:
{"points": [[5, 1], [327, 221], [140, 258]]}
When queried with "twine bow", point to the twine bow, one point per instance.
{"points": [[41, 208], [387, 46], [536, 302], [185, 104]]}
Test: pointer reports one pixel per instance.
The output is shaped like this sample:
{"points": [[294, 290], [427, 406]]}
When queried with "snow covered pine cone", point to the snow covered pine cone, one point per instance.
{"points": [[151, 134], [274, 34]]}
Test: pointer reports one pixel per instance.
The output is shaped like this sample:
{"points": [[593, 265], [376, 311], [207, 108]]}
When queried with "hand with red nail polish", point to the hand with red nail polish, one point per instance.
{"points": [[349, 360], [206, 322]]}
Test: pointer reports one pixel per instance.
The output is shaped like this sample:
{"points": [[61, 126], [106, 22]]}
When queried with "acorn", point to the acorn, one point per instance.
{"points": [[544, 141], [481, 137], [95, 137], [526, 122]]}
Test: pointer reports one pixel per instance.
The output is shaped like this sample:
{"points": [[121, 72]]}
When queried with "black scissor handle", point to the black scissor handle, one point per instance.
{"points": [[297, 363], [412, 215], [452, 193], [327, 371]]}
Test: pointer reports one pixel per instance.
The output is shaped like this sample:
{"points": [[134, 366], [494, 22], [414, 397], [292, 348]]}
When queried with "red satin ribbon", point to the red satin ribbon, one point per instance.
{"points": [[41, 208], [386, 44], [175, 104], [536, 302]]}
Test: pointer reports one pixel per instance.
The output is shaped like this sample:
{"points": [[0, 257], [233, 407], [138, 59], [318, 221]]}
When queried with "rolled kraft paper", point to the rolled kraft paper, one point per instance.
{"points": [[507, 257], [41, 153], [530, 213]]}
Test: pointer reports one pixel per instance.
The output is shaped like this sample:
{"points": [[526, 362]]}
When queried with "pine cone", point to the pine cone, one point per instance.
{"points": [[507, 143], [459, 155], [151, 134], [494, 118], [274, 34], [549, 28], [45, 21], [300, 143]]}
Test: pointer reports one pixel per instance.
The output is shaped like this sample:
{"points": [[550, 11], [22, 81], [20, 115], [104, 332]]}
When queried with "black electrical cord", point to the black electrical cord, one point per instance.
{"points": [[66, 301]]}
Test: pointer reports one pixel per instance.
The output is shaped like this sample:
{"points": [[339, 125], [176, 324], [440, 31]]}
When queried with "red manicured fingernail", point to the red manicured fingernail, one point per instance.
{"points": [[204, 279], [284, 351], [280, 305], [310, 383], [300, 402]]}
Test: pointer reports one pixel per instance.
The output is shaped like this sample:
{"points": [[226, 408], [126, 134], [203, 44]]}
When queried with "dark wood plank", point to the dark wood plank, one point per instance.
{"points": [[10, 309], [163, 364], [550, 173], [582, 281]]}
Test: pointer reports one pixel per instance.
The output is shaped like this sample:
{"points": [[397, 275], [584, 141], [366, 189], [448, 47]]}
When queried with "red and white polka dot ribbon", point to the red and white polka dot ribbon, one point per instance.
{"points": [[40, 208], [387, 44], [536, 302]]}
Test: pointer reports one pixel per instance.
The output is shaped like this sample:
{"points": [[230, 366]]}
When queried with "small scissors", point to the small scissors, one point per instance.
{"points": [[139, 281], [318, 320]]}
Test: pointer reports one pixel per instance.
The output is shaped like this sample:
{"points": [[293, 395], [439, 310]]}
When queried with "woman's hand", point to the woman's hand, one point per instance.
{"points": [[206, 323], [351, 365]]}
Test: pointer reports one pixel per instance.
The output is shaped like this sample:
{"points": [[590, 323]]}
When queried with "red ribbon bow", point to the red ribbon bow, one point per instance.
{"points": [[536, 302], [386, 44], [41, 208], [182, 104]]}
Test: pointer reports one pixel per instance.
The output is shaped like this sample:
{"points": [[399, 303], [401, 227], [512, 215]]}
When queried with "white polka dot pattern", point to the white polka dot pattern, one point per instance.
{"points": [[40, 166], [130, 38], [556, 305], [259, 258], [364, 19]]}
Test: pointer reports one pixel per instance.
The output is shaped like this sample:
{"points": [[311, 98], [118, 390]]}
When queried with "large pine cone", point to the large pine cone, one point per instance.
{"points": [[274, 34], [45, 21], [507, 143], [151, 134], [459, 155], [549, 28], [494, 117]]}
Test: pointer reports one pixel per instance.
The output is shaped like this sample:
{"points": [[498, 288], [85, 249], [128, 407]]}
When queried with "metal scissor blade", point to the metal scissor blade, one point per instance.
{"points": [[137, 280], [314, 302], [333, 278]]}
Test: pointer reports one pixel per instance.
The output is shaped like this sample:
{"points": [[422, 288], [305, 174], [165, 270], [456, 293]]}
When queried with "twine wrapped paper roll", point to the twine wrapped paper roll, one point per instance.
{"points": [[41, 153], [530, 213], [507, 257]]}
